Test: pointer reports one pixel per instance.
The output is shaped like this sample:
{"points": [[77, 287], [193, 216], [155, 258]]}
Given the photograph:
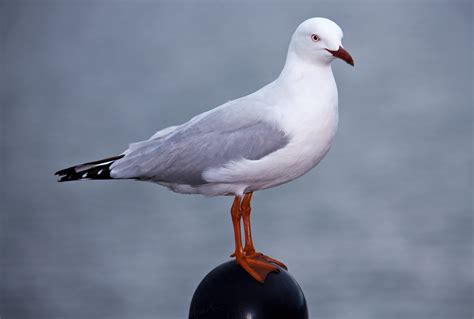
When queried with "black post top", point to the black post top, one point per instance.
{"points": [[228, 292]]}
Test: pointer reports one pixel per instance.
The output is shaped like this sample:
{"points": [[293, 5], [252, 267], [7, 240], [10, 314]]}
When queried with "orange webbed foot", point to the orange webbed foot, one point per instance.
{"points": [[269, 259], [257, 267]]}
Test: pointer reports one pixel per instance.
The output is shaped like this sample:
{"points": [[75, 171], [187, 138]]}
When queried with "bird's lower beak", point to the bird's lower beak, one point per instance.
{"points": [[342, 54]]}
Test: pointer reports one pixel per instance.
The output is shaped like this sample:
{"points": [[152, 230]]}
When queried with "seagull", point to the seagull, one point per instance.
{"points": [[255, 142]]}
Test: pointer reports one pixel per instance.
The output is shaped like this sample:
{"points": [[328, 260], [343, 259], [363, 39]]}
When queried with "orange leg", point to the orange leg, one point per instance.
{"points": [[245, 208], [249, 249], [236, 215], [255, 266]]}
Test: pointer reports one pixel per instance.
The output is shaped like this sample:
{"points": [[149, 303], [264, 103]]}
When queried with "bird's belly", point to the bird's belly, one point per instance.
{"points": [[294, 161], [310, 140]]}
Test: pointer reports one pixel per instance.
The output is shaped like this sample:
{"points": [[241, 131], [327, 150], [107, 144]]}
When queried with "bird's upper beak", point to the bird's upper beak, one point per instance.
{"points": [[342, 54]]}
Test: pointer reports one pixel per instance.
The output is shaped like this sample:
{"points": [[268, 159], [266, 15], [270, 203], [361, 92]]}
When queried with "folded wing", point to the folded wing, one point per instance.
{"points": [[208, 141]]}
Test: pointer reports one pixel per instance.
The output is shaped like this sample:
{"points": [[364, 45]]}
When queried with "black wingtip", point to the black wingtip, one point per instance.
{"points": [[97, 171], [66, 174], [65, 171]]}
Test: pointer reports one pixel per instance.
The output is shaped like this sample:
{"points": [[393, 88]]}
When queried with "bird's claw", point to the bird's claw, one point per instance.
{"points": [[272, 260], [261, 256], [257, 267]]}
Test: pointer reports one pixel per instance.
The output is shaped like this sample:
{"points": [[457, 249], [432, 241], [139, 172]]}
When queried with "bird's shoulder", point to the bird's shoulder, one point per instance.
{"points": [[246, 111], [255, 111]]}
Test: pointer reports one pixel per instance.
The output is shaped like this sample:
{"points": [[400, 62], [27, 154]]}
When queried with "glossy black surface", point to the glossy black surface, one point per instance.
{"points": [[228, 292]]}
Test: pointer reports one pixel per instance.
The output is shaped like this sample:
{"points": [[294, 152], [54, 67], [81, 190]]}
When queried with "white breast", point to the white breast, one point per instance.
{"points": [[310, 121]]}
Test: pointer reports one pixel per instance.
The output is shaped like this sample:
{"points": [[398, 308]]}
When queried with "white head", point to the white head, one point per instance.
{"points": [[319, 40]]}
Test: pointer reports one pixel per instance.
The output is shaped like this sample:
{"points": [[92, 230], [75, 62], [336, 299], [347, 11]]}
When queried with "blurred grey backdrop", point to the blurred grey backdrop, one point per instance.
{"points": [[382, 228]]}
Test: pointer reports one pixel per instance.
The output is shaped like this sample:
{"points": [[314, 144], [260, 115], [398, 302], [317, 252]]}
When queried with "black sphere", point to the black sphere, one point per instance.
{"points": [[228, 292]]}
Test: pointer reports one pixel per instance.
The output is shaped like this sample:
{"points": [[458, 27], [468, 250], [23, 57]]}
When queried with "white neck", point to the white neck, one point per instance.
{"points": [[300, 75]]}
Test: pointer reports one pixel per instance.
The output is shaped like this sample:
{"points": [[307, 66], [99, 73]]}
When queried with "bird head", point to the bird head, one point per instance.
{"points": [[319, 40]]}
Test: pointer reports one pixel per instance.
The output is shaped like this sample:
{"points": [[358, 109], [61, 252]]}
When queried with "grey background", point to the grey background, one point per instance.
{"points": [[381, 229]]}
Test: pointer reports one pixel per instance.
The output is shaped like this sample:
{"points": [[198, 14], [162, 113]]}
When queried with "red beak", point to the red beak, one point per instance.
{"points": [[342, 54]]}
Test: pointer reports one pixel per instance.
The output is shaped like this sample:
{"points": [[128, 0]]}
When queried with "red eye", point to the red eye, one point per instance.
{"points": [[315, 38]]}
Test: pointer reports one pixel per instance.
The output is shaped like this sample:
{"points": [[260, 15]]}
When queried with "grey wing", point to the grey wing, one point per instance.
{"points": [[211, 141]]}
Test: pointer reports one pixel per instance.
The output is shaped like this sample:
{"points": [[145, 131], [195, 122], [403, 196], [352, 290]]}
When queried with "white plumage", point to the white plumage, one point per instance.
{"points": [[258, 141]]}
